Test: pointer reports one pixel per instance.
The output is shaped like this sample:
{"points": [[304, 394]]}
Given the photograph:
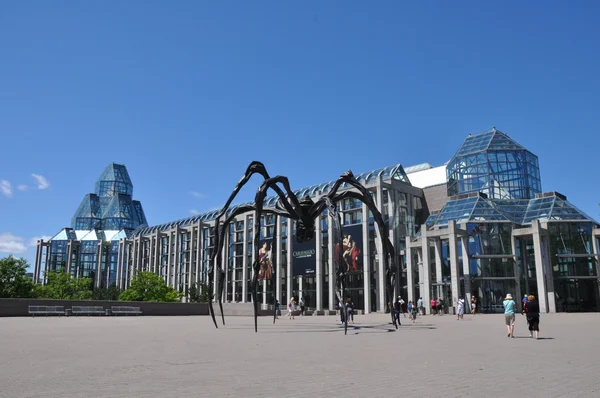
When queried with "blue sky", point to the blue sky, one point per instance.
{"points": [[187, 93]]}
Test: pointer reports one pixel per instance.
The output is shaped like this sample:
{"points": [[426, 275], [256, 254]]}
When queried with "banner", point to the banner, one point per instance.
{"points": [[266, 258], [352, 246], [304, 257]]}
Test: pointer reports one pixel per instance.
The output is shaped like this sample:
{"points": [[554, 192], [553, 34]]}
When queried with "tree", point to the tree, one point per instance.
{"points": [[148, 286], [14, 282], [61, 286], [198, 293], [110, 293]]}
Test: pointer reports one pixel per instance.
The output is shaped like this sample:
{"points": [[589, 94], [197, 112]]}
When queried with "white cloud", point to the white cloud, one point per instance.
{"points": [[10, 243], [22, 187], [198, 195], [194, 212], [42, 183], [5, 188], [33, 241]]}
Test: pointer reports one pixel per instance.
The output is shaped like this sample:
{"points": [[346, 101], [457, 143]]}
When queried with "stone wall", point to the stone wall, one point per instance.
{"points": [[20, 307]]}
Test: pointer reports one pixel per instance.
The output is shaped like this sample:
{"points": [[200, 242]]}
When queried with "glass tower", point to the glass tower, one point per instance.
{"points": [[111, 206], [496, 165]]}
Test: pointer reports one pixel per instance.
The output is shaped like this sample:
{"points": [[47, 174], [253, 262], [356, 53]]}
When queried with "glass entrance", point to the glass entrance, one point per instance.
{"points": [[576, 295]]}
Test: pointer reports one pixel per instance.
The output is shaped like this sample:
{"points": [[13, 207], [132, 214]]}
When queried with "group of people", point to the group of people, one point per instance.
{"points": [[530, 308], [291, 307], [346, 310], [400, 307]]}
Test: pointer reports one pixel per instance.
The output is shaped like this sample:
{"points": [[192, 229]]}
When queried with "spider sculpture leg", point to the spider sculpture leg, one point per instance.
{"points": [[253, 168], [388, 255], [340, 268], [259, 203]]}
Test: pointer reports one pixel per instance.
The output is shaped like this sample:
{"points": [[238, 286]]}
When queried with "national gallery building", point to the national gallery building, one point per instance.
{"points": [[480, 225]]}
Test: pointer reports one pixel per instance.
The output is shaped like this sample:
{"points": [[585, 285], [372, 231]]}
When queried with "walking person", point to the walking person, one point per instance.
{"points": [[509, 314], [414, 314], [532, 310], [420, 305], [291, 308], [460, 310], [341, 308], [433, 306], [397, 310], [473, 305], [302, 306], [402, 306], [350, 310]]}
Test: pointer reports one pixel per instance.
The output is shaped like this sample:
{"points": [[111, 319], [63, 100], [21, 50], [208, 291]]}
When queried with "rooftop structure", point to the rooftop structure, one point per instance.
{"points": [[111, 206]]}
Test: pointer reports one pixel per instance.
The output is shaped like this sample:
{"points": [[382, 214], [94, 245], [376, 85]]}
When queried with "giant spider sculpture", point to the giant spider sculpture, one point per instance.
{"points": [[303, 212]]}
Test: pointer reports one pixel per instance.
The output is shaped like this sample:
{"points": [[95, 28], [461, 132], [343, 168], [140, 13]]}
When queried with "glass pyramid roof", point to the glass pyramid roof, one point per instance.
{"points": [[493, 140], [478, 208]]}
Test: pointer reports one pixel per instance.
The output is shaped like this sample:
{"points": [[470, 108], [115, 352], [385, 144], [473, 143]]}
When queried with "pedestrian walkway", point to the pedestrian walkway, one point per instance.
{"points": [[307, 356]]}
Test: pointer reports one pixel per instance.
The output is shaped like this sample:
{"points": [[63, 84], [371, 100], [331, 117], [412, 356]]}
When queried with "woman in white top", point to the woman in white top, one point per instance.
{"points": [[461, 308], [291, 308]]}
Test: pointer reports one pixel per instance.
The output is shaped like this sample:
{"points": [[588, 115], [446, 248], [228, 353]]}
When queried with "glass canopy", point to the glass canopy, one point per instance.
{"points": [[550, 206]]}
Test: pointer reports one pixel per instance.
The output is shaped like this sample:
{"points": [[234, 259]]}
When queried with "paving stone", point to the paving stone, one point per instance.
{"points": [[307, 356]]}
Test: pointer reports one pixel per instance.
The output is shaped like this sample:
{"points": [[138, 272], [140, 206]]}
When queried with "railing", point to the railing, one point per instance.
{"points": [[87, 310], [125, 310], [46, 310]]}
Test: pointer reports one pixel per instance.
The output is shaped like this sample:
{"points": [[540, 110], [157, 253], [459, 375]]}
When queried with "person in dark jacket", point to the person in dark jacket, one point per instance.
{"points": [[532, 311]]}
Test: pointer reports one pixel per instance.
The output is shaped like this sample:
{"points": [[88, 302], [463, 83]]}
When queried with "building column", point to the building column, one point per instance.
{"points": [[420, 273], [290, 247], [539, 267], [319, 265], [410, 286], [98, 276], [596, 258], [380, 260], [438, 267], [464, 240], [46, 264], [366, 261], [120, 265], [190, 262], [300, 288], [127, 250], [332, 275], [169, 256], [198, 276], [38, 261], [454, 268], [134, 262], [277, 264], [426, 273], [69, 257], [392, 236], [548, 273], [245, 261], [513, 247], [177, 262]]}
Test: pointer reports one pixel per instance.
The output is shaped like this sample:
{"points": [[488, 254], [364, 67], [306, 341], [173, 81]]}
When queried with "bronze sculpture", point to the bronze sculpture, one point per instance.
{"points": [[303, 212]]}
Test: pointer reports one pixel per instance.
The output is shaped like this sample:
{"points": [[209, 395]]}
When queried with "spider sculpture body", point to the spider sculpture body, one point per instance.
{"points": [[304, 212]]}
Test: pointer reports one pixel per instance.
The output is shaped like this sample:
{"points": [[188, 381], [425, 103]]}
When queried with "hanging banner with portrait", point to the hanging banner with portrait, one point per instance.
{"points": [[351, 247], [304, 257], [266, 258]]}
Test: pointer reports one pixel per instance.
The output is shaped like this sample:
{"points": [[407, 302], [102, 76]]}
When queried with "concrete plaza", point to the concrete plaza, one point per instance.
{"points": [[308, 356]]}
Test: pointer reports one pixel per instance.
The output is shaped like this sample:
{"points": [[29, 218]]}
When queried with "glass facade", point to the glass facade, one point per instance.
{"points": [[111, 206], [496, 165]]}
